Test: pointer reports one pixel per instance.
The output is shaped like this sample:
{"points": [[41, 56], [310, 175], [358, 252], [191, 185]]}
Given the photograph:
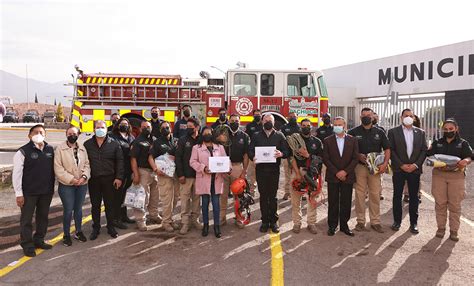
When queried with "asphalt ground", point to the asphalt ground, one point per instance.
{"points": [[246, 255]]}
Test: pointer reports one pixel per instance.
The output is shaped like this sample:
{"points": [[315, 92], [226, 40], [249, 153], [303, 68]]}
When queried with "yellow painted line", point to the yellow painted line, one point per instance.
{"points": [[12, 266], [323, 98], [147, 80], [121, 80], [152, 81], [94, 79], [277, 260], [78, 103], [141, 81]]}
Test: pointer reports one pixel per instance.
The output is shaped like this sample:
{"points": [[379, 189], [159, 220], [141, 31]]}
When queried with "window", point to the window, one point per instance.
{"points": [[322, 87], [245, 84], [300, 85], [267, 84]]}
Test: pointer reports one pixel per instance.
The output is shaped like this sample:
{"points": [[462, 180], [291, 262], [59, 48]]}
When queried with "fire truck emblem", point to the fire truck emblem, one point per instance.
{"points": [[244, 106]]}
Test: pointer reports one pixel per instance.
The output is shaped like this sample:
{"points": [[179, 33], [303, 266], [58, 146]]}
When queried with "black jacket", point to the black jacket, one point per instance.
{"points": [[253, 127], [183, 155], [125, 144], [106, 160], [289, 129], [276, 139]]}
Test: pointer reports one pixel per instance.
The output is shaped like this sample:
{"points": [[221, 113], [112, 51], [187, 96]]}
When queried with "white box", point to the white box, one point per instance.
{"points": [[219, 164], [265, 154]]}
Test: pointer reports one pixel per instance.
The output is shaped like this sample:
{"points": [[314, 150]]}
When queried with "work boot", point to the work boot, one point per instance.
{"points": [[454, 236], [296, 228], [141, 226], [312, 228], [196, 225], [155, 220], [286, 196], [440, 232], [205, 229], [360, 227], [168, 228], [184, 229], [377, 228]]}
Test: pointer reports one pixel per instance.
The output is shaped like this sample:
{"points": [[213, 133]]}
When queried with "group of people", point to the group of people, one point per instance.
{"points": [[112, 160]]}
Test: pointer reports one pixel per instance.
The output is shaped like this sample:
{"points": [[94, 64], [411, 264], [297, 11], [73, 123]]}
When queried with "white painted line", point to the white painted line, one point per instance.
{"points": [[207, 265], [351, 256], [114, 241], [270, 247], [136, 243], [151, 269], [60, 256], [299, 245], [166, 242], [463, 218]]}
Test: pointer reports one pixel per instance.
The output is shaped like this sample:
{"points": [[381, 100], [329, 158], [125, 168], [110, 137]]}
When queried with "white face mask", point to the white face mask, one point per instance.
{"points": [[37, 139], [408, 121], [338, 129]]}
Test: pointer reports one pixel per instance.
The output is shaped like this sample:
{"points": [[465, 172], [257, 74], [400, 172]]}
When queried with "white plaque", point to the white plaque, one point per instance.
{"points": [[219, 164], [265, 154]]}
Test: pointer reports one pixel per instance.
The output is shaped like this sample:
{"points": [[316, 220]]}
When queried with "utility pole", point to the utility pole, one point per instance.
{"points": [[27, 96]]}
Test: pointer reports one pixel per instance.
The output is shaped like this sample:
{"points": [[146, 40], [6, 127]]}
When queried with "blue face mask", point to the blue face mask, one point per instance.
{"points": [[100, 132], [338, 129]]}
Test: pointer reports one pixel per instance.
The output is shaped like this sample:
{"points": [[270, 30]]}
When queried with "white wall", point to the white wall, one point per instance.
{"points": [[362, 79]]}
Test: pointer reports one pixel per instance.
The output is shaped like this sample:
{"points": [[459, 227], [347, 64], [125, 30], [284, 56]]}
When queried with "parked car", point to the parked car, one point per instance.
{"points": [[31, 115], [49, 116], [11, 116]]}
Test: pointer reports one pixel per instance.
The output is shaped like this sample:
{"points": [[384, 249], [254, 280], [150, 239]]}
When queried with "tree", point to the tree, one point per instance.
{"points": [[60, 113], [36, 97]]}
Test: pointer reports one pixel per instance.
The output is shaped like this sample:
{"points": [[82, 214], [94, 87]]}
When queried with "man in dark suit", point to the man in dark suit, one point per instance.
{"points": [[341, 153], [408, 151]]}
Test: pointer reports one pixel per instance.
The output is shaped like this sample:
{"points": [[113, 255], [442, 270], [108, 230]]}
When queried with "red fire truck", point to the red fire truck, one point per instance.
{"points": [[98, 95]]}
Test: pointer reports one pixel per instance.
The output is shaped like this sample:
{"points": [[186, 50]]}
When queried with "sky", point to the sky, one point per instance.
{"points": [[186, 37]]}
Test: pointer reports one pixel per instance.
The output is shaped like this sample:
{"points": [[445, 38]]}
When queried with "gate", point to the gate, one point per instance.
{"points": [[428, 107]]}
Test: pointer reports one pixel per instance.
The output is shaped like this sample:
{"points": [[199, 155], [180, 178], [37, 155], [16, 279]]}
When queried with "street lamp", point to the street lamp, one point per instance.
{"points": [[214, 67]]}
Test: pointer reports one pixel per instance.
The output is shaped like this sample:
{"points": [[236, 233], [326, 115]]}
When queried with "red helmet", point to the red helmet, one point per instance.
{"points": [[238, 186]]}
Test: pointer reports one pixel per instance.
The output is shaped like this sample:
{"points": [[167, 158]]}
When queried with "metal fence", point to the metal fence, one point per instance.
{"points": [[428, 107]]}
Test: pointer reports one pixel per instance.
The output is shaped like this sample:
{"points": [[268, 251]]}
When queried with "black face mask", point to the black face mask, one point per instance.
{"points": [[327, 121], [234, 126], [190, 131], [292, 120], [306, 130], [449, 134], [366, 120], [123, 128], [72, 139], [222, 117], [187, 113], [146, 131], [207, 138], [165, 131], [268, 125], [257, 118], [154, 115]]}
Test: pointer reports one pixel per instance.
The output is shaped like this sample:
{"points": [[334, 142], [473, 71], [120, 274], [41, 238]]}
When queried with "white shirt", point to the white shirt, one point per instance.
{"points": [[340, 144], [17, 176], [408, 133]]}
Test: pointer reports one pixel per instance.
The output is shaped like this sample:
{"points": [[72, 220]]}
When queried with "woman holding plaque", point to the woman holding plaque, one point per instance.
{"points": [[209, 185]]}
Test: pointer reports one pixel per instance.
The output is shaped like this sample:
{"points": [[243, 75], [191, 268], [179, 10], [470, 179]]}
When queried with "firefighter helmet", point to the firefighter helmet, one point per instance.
{"points": [[238, 186]]}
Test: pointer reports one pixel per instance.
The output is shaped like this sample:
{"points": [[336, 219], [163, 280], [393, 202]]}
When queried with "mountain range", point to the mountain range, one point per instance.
{"points": [[15, 87]]}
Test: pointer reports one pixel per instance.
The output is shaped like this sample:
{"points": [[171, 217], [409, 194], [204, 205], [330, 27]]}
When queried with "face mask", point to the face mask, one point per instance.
{"points": [[292, 120], [100, 132], [257, 118], [154, 115], [146, 131], [449, 134], [327, 121], [190, 131], [123, 128], [165, 131], [268, 125], [37, 139], [72, 139], [338, 129], [222, 117], [408, 121], [187, 113], [234, 126], [366, 120], [306, 130], [207, 138]]}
